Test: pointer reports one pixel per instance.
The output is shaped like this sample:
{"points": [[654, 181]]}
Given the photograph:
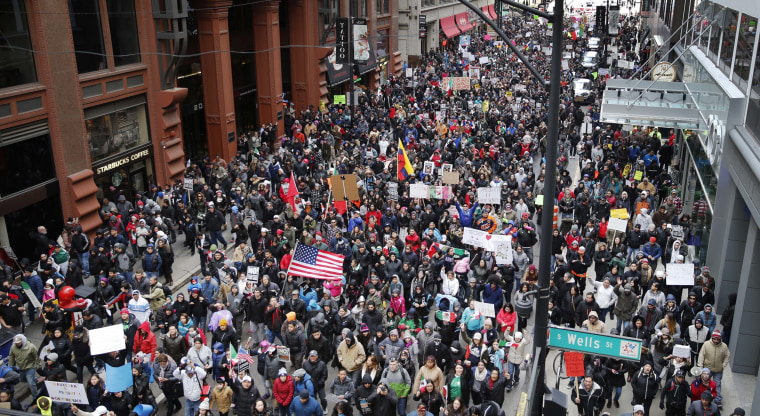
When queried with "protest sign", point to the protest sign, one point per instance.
{"points": [[621, 213], [409, 72], [418, 190], [681, 351], [30, 294], [617, 224], [475, 237], [67, 392], [485, 309], [574, 364], [489, 195], [502, 248], [188, 184], [283, 353], [252, 274], [450, 178], [539, 200], [118, 378], [344, 187], [339, 99], [679, 274], [108, 339], [428, 168], [638, 175], [393, 191], [483, 60]]}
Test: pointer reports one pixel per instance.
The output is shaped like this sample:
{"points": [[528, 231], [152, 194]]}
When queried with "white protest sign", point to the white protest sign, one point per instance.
{"points": [[682, 351], [252, 274], [475, 237], [679, 274], [66, 392], [617, 224], [108, 339], [489, 195], [393, 191], [483, 60], [188, 184], [501, 245], [485, 309], [565, 65], [418, 190], [283, 353], [409, 72]]}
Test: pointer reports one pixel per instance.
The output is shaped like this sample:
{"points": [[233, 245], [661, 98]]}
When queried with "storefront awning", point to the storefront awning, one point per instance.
{"points": [[463, 22], [336, 73], [449, 27], [492, 12]]}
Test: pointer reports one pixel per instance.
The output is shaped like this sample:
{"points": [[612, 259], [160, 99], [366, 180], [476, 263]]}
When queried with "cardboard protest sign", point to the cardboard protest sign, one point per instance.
{"points": [[679, 274], [68, 392], [344, 187], [489, 195], [450, 178], [617, 224], [486, 309], [108, 339]]}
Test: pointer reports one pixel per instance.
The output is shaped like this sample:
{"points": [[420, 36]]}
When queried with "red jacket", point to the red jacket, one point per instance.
{"points": [[697, 388], [283, 391], [145, 343]]}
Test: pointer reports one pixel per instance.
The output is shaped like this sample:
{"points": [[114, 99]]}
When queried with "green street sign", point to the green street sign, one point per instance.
{"points": [[595, 343]]}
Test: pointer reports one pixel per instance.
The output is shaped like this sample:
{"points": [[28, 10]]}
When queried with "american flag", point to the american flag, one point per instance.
{"points": [[312, 262], [243, 355]]}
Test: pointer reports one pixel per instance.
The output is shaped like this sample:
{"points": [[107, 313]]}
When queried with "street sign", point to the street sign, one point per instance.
{"points": [[594, 343]]}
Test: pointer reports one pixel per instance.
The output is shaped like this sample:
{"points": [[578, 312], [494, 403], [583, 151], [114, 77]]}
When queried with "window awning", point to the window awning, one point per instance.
{"points": [[492, 12], [449, 27], [463, 22]]}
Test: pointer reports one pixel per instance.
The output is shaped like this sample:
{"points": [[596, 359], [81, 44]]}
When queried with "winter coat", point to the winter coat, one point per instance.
{"points": [[645, 385], [244, 399], [145, 343], [626, 304], [221, 398], [697, 409], [351, 357], [675, 394], [317, 372], [283, 391], [714, 357], [310, 408]]}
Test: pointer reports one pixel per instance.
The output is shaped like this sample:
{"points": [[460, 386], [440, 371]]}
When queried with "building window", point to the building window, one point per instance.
{"points": [[24, 163], [382, 42], [728, 27], [16, 57], [358, 8], [328, 12], [383, 6], [113, 133], [123, 24], [90, 34]]}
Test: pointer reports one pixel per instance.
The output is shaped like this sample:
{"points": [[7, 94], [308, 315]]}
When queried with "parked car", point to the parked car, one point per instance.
{"points": [[582, 91]]}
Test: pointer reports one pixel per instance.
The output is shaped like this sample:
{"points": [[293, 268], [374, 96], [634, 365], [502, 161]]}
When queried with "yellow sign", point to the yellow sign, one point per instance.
{"points": [[485, 106], [322, 106], [621, 213], [339, 99], [638, 175], [509, 93]]}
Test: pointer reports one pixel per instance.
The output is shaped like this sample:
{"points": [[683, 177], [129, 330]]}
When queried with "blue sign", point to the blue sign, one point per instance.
{"points": [[595, 343]]}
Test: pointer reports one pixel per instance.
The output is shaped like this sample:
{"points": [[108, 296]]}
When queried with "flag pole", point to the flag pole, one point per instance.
{"points": [[295, 249]]}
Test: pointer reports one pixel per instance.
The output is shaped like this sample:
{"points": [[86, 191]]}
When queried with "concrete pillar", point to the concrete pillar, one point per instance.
{"points": [[304, 69], [266, 35], [727, 240], [745, 333], [218, 98]]}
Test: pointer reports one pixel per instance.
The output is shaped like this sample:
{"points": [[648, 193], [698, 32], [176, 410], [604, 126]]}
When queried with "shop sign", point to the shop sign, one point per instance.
{"points": [[423, 26], [341, 40], [360, 40], [140, 154]]}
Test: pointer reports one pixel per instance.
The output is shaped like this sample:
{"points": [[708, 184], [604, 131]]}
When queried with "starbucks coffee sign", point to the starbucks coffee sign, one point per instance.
{"points": [[664, 71]]}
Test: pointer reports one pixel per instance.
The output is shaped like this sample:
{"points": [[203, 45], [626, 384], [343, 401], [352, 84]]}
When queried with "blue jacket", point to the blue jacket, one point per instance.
{"points": [[35, 284], [310, 408], [465, 217], [389, 220], [209, 290], [653, 250], [305, 383], [152, 261], [493, 296]]}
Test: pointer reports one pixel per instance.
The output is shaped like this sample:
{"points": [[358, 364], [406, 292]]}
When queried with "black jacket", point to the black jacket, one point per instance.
{"points": [[675, 394], [244, 399]]}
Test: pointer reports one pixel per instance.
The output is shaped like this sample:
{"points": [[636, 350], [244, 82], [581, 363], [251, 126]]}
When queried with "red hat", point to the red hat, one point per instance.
{"points": [[716, 334], [645, 260], [124, 310], [280, 232], [525, 215], [652, 240]]}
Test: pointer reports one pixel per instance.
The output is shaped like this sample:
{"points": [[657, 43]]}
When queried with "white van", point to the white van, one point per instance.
{"points": [[590, 59]]}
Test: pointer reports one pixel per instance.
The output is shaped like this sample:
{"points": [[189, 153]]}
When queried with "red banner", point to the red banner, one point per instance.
{"points": [[574, 364]]}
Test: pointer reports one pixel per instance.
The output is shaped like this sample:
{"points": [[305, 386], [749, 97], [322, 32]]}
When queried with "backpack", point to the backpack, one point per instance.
{"points": [[167, 291]]}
